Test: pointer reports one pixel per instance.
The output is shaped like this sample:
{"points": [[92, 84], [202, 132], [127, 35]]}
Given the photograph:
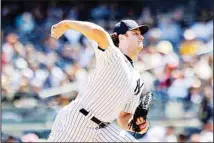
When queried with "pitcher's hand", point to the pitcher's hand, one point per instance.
{"points": [[58, 29]]}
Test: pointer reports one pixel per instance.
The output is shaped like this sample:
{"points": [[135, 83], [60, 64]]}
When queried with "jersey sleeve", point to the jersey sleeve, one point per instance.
{"points": [[132, 105], [105, 56]]}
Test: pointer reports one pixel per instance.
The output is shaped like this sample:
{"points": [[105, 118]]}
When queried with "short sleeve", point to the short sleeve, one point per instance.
{"points": [[105, 56], [131, 106]]}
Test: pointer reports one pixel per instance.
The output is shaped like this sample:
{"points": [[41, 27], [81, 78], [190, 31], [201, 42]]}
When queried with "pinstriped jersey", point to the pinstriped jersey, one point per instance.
{"points": [[114, 85]]}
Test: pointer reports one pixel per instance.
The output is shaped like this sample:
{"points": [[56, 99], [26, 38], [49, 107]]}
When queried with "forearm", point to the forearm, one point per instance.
{"points": [[90, 31], [123, 121], [86, 28]]}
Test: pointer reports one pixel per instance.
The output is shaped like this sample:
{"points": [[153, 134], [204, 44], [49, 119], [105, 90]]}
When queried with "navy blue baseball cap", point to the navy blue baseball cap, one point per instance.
{"points": [[126, 25]]}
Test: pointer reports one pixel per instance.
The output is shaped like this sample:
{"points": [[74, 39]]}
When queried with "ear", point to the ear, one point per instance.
{"points": [[121, 37]]}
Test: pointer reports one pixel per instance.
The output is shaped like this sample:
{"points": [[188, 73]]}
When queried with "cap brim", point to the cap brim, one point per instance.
{"points": [[143, 28]]}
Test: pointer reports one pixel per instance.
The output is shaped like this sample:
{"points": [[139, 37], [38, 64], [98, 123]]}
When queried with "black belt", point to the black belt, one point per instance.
{"points": [[94, 119]]}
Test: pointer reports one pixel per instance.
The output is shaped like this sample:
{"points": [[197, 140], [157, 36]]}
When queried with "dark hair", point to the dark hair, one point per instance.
{"points": [[115, 39]]}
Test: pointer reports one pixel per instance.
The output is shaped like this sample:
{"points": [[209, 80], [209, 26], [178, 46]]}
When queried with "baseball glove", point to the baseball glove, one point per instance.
{"points": [[141, 111]]}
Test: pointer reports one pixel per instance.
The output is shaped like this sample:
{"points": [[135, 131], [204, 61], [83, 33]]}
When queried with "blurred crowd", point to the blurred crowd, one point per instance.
{"points": [[169, 134], [176, 62]]}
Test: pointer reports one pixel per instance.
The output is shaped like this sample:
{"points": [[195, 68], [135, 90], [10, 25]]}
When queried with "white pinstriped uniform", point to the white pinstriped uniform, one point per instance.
{"points": [[111, 88]]}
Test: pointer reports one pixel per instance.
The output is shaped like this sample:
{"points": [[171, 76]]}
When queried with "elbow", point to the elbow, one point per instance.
{"points": [[101, 37], [98, 32], [124, 115], [123, 118]]}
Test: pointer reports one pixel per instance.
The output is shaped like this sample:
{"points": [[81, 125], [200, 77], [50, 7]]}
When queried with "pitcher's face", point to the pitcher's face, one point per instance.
{"points": [[135, 39]]}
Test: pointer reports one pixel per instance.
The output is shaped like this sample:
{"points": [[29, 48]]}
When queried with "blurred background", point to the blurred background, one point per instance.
{"points": [[40, 75]]}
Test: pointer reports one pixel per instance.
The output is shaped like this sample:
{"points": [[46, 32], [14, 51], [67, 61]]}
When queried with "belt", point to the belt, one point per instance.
{"points": [[94, 119]]}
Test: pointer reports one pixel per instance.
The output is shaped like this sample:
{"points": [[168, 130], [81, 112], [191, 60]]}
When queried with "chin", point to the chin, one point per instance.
{"points": [[140, 47]]}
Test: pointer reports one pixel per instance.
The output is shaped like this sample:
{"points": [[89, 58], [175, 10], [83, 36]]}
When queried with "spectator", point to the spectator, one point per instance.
{"points": [[170, 30], [146, 17], [205, 112], [55, 76], [194, 138], [182, 138], [100, 12], [206, 134], [25, 22], [30, 137], [170, 135], [12, 139]]}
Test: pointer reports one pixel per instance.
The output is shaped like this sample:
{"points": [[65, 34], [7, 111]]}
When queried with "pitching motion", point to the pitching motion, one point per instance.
{"points": [[114, 91]]}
